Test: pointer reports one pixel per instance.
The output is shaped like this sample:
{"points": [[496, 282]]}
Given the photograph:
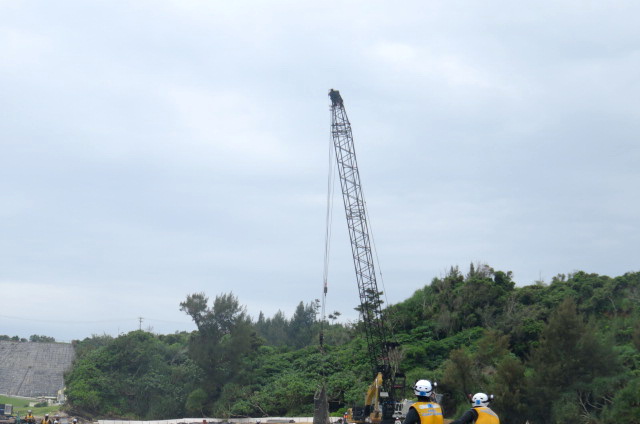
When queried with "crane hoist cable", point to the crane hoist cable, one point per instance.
{"points": [[321, 405], [331, 175]]}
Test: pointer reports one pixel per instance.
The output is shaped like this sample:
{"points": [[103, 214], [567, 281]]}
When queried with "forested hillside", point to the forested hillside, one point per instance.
{"points": [[568, 351]]}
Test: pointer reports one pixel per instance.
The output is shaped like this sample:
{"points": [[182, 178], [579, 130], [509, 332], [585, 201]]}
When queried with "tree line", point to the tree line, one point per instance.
{"points": [[33, 338], [567, 351]]}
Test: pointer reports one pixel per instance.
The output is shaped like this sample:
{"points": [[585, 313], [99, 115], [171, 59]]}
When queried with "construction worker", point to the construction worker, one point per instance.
{"points": [[29, 417], [480, 413], [46, 420], [425, 410]]}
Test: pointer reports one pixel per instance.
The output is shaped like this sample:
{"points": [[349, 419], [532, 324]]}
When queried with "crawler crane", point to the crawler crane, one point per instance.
{"points": [[382, 404]]}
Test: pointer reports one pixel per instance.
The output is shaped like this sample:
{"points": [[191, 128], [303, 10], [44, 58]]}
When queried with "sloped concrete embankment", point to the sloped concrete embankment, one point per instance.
{"points": [[34, 369]]}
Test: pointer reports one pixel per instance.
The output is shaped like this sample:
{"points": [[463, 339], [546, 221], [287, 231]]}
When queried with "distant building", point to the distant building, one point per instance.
{"points": [[61, 398]]}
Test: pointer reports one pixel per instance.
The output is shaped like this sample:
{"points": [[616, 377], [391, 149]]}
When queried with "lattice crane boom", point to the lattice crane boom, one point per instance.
{"points": [[378, 340], [354, 205]]}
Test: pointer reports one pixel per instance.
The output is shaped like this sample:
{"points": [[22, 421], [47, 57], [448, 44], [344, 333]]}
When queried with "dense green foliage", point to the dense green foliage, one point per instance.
{"points": [[568, 351], [41, 339], [33, 338], [135, 375]]}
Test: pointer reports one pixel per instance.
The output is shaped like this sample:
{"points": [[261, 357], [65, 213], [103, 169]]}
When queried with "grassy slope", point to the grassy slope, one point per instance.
{"points": [[21, 406]]}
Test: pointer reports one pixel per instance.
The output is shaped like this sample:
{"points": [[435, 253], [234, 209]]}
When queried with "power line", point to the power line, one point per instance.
{"points": [[104, 321]]}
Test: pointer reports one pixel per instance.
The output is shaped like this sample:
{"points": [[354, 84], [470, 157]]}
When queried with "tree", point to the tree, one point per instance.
{"points": [[136, 375], [625, 406], [301, 327], [275, 331], [508, 385], [224, 338], [636, 336], [461, 376], [568, 360], [196, 402], [547, 358], [41, 339]]}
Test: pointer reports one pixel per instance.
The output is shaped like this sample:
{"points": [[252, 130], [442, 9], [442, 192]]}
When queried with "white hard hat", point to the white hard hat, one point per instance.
{"points": [[423, 388], [481, 399]]}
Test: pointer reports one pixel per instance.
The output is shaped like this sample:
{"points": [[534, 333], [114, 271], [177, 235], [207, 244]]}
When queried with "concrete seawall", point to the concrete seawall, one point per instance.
{"points": [[267, 420]]}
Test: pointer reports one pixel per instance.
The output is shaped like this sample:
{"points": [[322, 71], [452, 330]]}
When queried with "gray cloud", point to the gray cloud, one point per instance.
{"points": [[155, 149]]}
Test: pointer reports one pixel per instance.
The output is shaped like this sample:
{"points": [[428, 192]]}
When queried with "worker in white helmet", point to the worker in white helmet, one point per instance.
{"points": [[480, 413], [425, 410]]}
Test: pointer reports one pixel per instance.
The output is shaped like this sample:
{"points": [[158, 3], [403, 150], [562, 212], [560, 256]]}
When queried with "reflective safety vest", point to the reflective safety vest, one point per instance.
{"points": [[429, 412], [486, 415]]}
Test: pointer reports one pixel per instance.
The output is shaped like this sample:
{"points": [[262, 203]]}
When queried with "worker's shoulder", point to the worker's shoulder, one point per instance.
{"points": [[425, 405]]}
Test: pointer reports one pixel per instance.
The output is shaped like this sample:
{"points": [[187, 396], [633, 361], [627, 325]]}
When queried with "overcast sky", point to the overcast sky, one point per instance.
{"points": [[153, 149]]}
